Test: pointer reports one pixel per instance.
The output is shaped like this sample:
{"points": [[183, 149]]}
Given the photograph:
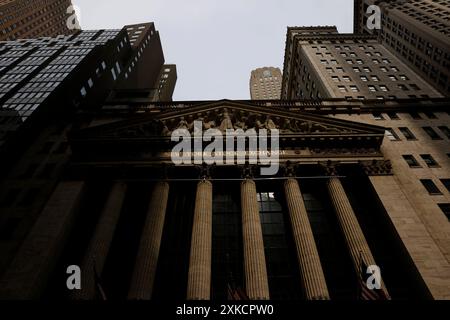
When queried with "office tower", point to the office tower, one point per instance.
{"points": [[56, 74], [417, 32], [265, 83], [321, 63], [72, 70], [166, 83], [146, 76], [21, 19]]}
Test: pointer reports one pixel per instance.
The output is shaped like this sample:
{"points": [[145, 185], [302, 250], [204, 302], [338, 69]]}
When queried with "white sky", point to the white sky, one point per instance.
{"points": [[215, 44]]}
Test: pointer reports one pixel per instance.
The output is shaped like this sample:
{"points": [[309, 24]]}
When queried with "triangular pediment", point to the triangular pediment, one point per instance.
{"points": [[225, 115]]}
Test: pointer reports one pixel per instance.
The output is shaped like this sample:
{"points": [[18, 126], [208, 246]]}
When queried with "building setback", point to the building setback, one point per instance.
{"points": [[146, 75], [417, 32], [44, 18], [265, 83]]}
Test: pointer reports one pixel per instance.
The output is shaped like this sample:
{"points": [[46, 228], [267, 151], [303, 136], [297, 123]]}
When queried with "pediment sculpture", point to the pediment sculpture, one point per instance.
{"points": [[229, 119]]}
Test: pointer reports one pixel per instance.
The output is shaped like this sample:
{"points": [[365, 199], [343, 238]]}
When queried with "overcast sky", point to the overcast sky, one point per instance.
{"points": [[215, 44]]}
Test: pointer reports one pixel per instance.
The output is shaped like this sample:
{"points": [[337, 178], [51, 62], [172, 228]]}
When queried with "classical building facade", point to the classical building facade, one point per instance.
{"points": [[265, 83], [417, 32], [154, 230], [363, 179], [319, 63], [44, 18]]}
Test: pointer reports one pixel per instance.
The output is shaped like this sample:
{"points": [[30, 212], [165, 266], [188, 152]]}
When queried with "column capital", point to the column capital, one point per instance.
{"points": [[247, 171], [330, 167], [205, 171], [290, 169], [377, 167]]}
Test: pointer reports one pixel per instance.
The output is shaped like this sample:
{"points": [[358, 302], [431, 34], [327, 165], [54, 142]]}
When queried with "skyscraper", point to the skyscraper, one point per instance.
{"points": [[165, 84], [321, 63], [82, 68], [146, 75], [417, 32], [265, 83], [21, 19]]}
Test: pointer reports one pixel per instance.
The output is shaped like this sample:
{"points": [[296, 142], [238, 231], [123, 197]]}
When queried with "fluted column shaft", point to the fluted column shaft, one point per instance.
{"points": [[353, 234], [312, 276], [256, 282], [143, 278], [101, 241], [199, 279]]}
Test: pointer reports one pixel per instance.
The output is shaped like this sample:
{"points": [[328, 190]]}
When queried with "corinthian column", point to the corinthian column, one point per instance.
{"points": [[199, 280], [147, 258], [312, 276], [256, 282], [353, 234], [100, 243]]}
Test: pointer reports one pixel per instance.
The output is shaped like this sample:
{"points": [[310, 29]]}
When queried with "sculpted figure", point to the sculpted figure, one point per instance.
{"points": [[227, 123], [165, 131], [209, 124], [183, 124], [287, 126], [241, 124], [270, 124]]}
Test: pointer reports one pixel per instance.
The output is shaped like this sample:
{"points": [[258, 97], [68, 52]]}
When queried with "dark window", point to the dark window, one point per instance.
{"points": [[430, 115], [378, 116], [446, 183], [407, 133], [433, 134], [392, 135], [429, 160], [393, 116], [411, 161], [415, 115], [227, 242], [280, 265], [445, 207], [445, 130], [431, 187]]}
